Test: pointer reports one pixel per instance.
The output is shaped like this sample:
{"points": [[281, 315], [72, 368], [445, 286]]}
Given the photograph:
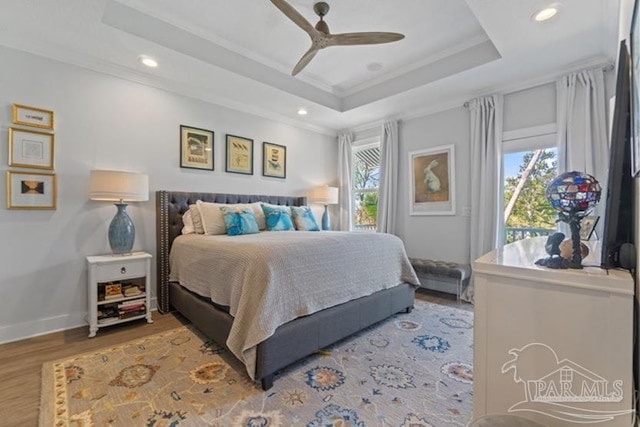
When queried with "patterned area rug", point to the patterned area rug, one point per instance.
{"points": [[410, 370]]}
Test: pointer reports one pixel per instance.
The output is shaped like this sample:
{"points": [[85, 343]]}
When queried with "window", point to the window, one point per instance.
{"points": [[366, 181], [528, 164]]}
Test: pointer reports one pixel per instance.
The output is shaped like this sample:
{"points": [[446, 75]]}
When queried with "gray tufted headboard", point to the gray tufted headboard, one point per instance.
{"points": [[171, 205]]}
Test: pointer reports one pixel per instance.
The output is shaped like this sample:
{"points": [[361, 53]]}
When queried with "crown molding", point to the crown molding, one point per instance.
{"points": [[458, 102], [107, 68]]}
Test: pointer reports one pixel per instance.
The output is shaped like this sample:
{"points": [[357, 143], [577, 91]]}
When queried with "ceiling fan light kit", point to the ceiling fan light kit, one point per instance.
{"points": [[321, 37]]}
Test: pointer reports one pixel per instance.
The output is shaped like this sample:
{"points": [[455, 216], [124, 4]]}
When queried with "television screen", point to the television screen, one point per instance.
{"points": [[618, 218]]}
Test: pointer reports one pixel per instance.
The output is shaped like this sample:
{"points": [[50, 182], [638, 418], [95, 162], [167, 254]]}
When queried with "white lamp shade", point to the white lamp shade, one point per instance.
{"points": [[108, 185], [325, 195]]}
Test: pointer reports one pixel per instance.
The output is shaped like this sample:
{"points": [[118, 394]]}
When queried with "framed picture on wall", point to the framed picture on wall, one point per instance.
{"points": [[239, 155], [31, 149], [196, 148], [432, 180], [274, 160], [31, 190], [32, 116]]}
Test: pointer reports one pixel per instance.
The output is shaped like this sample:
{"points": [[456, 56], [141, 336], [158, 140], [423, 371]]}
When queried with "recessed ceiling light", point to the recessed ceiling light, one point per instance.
{"points": [[546, 13], [148, 61], [302, 112]]}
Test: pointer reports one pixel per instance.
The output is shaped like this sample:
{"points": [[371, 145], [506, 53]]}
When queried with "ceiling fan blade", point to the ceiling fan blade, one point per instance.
{"points": [[363, 38], [295, 16], [306, 58]]}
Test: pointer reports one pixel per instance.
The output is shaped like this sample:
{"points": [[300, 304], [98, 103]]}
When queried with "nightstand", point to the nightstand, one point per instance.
{"points": [[119, 289]]}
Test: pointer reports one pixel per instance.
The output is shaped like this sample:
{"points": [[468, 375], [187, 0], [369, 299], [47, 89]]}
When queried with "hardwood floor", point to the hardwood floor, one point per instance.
{"points": [[21, 361]]}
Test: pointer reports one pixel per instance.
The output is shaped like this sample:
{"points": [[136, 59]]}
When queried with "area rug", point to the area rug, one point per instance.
{"points": [[410, 370]]}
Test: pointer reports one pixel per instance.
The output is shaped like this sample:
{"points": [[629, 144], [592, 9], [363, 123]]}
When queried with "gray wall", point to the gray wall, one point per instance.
{"points": [[106, 122]]}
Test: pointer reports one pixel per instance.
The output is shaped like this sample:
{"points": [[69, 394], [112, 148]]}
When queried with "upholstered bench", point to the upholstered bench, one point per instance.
{"points": [[442, 276]]}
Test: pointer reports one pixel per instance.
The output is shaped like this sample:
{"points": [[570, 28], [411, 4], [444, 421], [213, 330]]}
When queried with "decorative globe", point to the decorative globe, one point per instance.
{"points": [[574, 193]]}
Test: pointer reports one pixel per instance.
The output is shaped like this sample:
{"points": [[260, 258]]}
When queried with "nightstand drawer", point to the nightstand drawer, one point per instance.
{"points": [[120, 270]]}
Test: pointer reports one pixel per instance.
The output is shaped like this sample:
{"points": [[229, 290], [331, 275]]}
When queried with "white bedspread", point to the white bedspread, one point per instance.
{"points": [[270, 278]]}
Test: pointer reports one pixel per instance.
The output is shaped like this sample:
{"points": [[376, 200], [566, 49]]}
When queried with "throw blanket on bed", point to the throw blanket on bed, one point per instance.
{"points": [[271, 278]]}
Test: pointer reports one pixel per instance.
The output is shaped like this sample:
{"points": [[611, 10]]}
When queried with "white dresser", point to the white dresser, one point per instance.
{"points": [[554, 346]]}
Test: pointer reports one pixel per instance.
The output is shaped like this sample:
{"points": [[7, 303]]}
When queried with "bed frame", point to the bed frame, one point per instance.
{"points": [[291, 341]]}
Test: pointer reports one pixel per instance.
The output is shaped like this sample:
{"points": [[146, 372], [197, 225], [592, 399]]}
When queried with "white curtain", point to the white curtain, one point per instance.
{"points": [[387, 203], [583, 143], [485, 185], [345, 173]]}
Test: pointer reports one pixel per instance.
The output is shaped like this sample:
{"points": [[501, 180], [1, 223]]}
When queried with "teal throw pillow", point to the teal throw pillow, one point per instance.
{"points": [[304, 219], [278, 218], [239, 222]]}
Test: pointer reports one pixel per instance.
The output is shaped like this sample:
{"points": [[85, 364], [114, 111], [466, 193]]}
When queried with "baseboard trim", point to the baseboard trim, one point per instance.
{"points": [[48, 325], [35, 328]]}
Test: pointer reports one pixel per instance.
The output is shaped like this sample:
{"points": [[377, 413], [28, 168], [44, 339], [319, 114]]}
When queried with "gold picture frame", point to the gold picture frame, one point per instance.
{"points": [[27, 190], [432, 177], [196, 148], [33, 116], [239, 157], [31, 149], [274, 160]]}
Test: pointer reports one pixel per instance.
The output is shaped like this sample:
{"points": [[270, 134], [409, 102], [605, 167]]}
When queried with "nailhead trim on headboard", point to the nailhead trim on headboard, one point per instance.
{"points": [[171, 205]]}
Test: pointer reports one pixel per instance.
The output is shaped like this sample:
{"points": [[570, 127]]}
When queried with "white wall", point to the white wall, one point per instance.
{"points": [[447, 237], [625, 18], [106, 122], [530, 107], [436, 237]]}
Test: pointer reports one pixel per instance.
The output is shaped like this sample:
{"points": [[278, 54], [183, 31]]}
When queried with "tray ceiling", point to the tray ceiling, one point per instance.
{"points": [[240, 53]]}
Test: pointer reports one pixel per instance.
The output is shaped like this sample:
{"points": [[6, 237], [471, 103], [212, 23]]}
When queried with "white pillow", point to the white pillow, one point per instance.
{"points": [[196, 218], [212, 217], [188, 223]]}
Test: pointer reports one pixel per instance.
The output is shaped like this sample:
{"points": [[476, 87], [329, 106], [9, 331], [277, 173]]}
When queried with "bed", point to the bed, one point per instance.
{"points": [[291, 337]]}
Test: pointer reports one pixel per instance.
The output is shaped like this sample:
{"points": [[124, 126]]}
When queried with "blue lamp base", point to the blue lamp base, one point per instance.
{"points": [[122, 233], [326, 221]]}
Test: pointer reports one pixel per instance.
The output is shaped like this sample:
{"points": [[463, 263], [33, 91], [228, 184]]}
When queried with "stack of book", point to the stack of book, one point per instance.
{"points": [[107, 313], [112, 291], [131, 308], [131, 290]]}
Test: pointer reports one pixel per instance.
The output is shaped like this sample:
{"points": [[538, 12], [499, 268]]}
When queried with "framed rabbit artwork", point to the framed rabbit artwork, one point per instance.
{"points": [[432, 178]]}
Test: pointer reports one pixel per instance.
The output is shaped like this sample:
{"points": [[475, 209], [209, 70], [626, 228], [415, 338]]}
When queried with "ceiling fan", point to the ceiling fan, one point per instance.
{"points": [[321, 37]]}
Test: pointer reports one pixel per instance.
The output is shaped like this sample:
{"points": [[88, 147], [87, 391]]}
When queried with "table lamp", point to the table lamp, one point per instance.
{"points": [[325, 195], [574, 195], [119, 187]]}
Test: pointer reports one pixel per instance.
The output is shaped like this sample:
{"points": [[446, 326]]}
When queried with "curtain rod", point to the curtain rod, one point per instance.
{"points": [[605, 68]]}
